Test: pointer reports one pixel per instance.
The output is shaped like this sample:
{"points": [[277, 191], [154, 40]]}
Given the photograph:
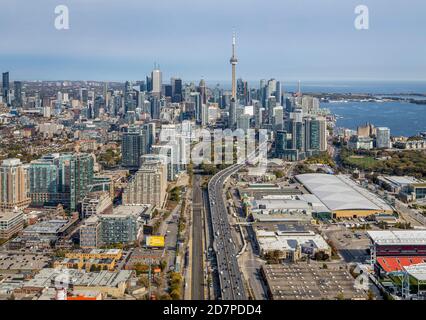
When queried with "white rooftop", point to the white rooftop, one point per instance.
{"points": [[340, 193], [398, 236], [270, 240], [402, 180], [282, 204], [418, 271]]}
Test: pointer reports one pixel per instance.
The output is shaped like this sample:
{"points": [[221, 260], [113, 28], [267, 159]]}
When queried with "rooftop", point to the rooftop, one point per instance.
{"points": [[405, 180], [46, 227], [46, 277], [287, 237], [304, 281], [9, 262], [397, 237], [417, 271], [340, 193]]}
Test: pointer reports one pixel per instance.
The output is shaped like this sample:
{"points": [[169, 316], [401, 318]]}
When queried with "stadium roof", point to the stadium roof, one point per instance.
{"points": [[417, 271], [397, 237], [340, 193]]}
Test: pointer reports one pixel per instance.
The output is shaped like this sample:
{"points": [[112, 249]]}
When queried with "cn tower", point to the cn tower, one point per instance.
{"points": [[233, 62]]}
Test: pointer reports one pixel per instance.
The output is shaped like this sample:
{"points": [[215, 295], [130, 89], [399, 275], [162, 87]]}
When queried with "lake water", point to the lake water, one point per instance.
{"points": [[404, 119]]}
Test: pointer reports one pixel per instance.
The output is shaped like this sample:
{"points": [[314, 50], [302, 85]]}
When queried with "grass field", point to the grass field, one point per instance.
{"points": [[363, 162]]}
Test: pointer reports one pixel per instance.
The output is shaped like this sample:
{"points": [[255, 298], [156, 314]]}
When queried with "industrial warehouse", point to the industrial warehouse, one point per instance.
{"points": [[342, 196]]}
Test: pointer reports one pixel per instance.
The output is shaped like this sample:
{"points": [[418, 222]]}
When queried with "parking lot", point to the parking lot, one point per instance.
{"points": [[352, 245]]}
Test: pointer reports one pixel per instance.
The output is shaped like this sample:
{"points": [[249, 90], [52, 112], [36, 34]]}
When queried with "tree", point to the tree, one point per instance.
{"points": [[279, 174], [175, 194], [165, 296], [163, 265], [144, 281], [175, 294], [340, 296], [321, 256]]}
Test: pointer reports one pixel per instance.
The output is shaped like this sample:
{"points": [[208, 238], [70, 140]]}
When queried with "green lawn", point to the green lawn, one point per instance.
{"points": [[363, 162]]}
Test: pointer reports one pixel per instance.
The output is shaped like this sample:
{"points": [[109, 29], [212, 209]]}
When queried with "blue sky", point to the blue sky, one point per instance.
{"points": [[311, 40]]}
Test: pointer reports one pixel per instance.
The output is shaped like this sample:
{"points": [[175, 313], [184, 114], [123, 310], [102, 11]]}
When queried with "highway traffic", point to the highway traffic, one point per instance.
{"points": [[230, 277], [231, 283]]}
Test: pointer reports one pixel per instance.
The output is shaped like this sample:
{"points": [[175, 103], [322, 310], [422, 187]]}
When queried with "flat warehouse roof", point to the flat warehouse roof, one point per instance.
{"points": [[340, 193]]}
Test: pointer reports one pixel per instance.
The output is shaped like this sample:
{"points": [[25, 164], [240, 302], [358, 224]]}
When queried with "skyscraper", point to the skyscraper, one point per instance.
{"points": [[257, 111], [129, 104], [202, 91], [196, 100], [278, 114], [155, 107], [156, 78], [176, 89], [278, 93], [204, 114], [18, 94], [61, 178], [81, 177], [13, 185], [383, 137], [133, 145], [5, 86], [84, 96]]}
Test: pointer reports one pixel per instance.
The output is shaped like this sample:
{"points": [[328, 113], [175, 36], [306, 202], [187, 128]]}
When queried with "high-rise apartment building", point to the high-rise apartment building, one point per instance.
{"points": [[61, 179], [5, 86], [303, 136], [383, 137], [148, 186], [13, 185], [136, 142], [18, 94]]}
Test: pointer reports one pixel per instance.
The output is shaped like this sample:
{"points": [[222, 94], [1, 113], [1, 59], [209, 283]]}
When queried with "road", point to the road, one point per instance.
{"points": [[169, 229], [230, 279], [251, 265], [197, 285], [416, 219]]}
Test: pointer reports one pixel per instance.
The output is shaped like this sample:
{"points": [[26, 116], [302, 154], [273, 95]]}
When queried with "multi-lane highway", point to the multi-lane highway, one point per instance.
{"points": [[230, 278]]}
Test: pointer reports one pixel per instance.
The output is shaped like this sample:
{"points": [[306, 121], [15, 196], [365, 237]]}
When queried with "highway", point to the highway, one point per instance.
{"points": [[231, 282], [230, 276]]}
